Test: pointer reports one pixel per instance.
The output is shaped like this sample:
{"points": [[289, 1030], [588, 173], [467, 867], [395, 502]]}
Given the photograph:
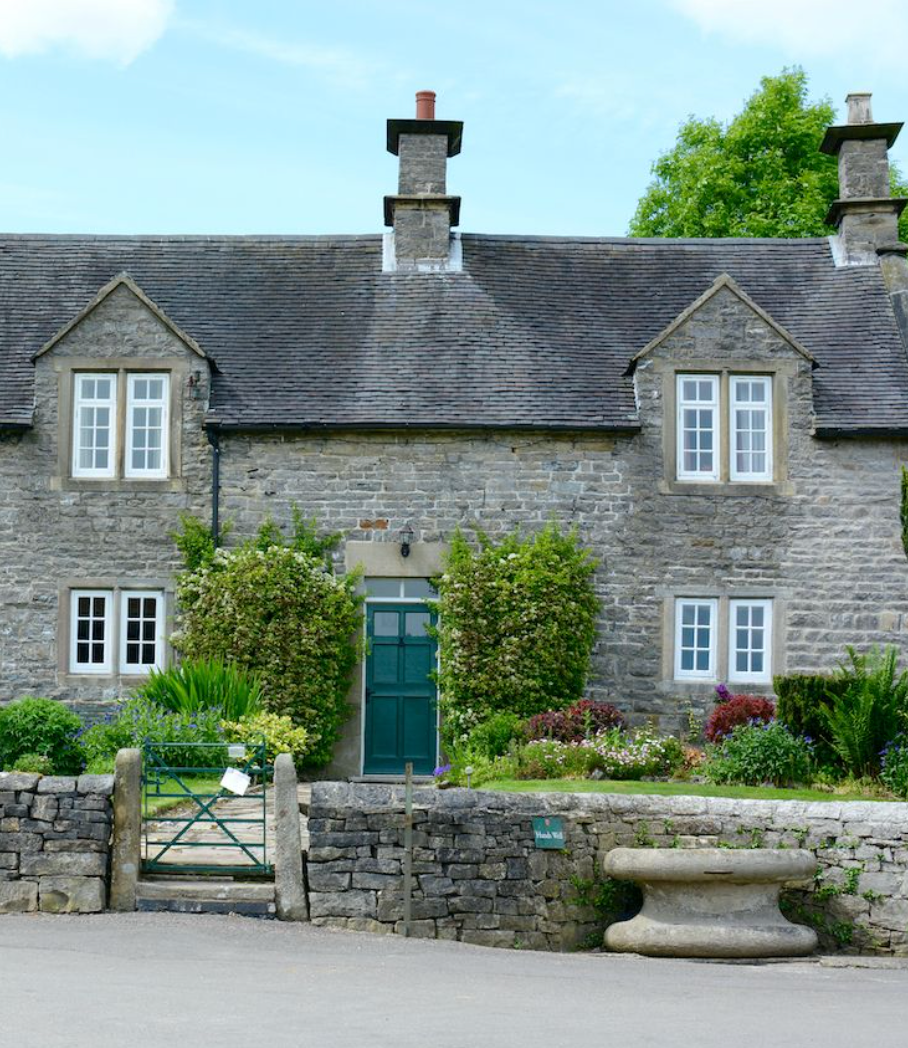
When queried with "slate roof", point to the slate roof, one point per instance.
{"points": [[536, 332]]}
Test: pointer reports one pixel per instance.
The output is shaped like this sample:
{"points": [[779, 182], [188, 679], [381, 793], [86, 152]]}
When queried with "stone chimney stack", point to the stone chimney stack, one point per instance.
{"points": [[865, 215], [422, 213]]}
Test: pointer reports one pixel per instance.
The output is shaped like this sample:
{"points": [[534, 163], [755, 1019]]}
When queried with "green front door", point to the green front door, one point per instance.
{"points": [[401, 719]]}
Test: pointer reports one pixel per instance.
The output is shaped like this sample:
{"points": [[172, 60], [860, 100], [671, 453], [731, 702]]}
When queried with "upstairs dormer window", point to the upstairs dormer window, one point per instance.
{"points": [[698, 427], [750, 426], [724, 428], [147, 425], [121, 425], [94, 425]]}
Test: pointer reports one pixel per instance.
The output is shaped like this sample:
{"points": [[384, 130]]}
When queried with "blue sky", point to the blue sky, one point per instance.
{"points": [[195, 116]]}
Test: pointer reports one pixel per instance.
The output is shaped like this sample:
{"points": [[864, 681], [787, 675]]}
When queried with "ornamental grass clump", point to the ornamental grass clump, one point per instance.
{"points": [[517, 622], [203, 685]]}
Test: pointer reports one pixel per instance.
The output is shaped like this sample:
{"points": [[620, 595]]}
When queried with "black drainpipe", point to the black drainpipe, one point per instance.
{"points": [[215, 441]]}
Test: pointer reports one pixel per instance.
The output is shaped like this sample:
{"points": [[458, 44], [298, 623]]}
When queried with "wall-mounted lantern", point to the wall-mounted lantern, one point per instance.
{"points": [[406, 537], [195, 385]]}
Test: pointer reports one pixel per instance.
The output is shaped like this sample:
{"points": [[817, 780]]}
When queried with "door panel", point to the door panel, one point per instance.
{"points": [[400, 701]]}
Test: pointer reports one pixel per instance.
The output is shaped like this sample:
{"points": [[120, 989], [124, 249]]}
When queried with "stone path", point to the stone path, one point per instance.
{"points": [[207, 832]]}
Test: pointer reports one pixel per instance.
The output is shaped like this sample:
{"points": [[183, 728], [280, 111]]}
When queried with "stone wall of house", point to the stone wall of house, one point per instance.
{"points": [[54, 842], [479, 878], [823, 542], [57, 533]]}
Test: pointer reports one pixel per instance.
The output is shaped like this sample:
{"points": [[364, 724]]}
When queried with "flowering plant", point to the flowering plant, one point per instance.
{"points": [[737, 710], [580, 720], [756, 754]]}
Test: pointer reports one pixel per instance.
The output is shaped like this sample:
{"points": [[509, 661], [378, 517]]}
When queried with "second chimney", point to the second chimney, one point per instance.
{"points": [[422, 213], [865, 214]]}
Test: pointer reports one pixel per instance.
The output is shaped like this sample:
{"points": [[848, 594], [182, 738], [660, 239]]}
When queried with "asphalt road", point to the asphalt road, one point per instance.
{"points": [[139, 980]]}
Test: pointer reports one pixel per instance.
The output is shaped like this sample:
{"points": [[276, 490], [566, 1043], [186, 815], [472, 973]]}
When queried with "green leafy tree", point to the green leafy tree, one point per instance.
{"points": [[760, 175], [517, 622]]}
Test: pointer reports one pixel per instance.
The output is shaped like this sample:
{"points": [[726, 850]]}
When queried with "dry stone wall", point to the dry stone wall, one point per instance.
{"points": [[478, 876], [54, 842]]}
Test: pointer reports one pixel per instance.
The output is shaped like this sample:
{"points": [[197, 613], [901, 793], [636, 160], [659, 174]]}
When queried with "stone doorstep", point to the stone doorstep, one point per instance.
{"points": [[241, 909], [215, 895], [219, 890]]}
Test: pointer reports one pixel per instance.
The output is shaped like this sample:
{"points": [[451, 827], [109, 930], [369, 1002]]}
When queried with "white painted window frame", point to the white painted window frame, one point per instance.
{"points": [[80, 402], [734, 473], [90, 669], [710, 673], [682, 404], [128, 669], [129, 471], [765, 677]]}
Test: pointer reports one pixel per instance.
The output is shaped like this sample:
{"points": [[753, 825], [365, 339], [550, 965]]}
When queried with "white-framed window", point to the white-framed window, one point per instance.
{"points": [[141, 631], [94, 424], [147, 425], [750, 641], [698, 427], [750, 427], [90, 627], [121, 425], [696, 626], [115, 630]]}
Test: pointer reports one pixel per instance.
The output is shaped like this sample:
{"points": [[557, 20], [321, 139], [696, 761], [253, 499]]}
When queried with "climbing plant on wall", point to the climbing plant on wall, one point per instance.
{"points": [[273, 606], [517, 622]]}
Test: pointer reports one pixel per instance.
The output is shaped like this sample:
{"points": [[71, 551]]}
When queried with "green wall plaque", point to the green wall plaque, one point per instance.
{"points": [[549, 832]]}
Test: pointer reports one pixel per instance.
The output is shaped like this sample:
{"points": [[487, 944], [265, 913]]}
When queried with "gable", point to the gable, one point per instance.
{"points": [[717, 324], [122, 320]]}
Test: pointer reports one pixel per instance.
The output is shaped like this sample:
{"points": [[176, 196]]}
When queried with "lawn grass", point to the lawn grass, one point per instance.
{"points": [[672, 789], [155, 805]]}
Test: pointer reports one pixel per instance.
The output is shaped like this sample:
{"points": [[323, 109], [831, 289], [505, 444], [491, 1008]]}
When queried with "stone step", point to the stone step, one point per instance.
{"points": [[208, 895]]}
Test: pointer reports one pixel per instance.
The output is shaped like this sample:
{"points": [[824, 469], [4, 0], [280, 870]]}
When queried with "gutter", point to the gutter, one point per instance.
{"points": [[426, 427]]}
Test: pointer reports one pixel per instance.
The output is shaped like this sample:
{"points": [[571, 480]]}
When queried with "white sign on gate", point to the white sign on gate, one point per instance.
{"points": [[235, 781]]}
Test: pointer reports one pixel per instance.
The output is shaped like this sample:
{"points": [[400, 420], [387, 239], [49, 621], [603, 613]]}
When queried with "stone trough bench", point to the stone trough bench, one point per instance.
{"points": [[710, 902]]}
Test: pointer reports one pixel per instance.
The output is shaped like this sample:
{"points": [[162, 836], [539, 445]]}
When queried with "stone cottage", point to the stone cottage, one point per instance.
{"points": [[723, 420]]}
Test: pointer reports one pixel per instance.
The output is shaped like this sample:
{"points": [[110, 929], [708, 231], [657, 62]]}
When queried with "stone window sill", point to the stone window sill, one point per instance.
{"points": [[726, 489], [175, 484]]}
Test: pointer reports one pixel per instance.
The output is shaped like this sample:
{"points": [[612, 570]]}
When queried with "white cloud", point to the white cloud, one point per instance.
{"points": [[115, 30], [808, 27], [337, 64]]}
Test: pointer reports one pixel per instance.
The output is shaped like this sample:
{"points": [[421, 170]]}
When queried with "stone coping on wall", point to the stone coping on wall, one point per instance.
{"points": [[54, 842], [479, 877]]}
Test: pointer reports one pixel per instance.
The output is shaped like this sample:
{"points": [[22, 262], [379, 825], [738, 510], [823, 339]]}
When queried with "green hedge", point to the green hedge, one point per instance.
{"points": [[801, 697]]}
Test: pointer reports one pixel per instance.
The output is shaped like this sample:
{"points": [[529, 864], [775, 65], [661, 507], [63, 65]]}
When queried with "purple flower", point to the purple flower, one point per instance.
{"points": [[722, 693], [442, 769]]}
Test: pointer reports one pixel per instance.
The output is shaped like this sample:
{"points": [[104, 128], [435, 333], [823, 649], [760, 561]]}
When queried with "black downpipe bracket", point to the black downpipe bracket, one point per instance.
{"points": [[214, 440]]}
